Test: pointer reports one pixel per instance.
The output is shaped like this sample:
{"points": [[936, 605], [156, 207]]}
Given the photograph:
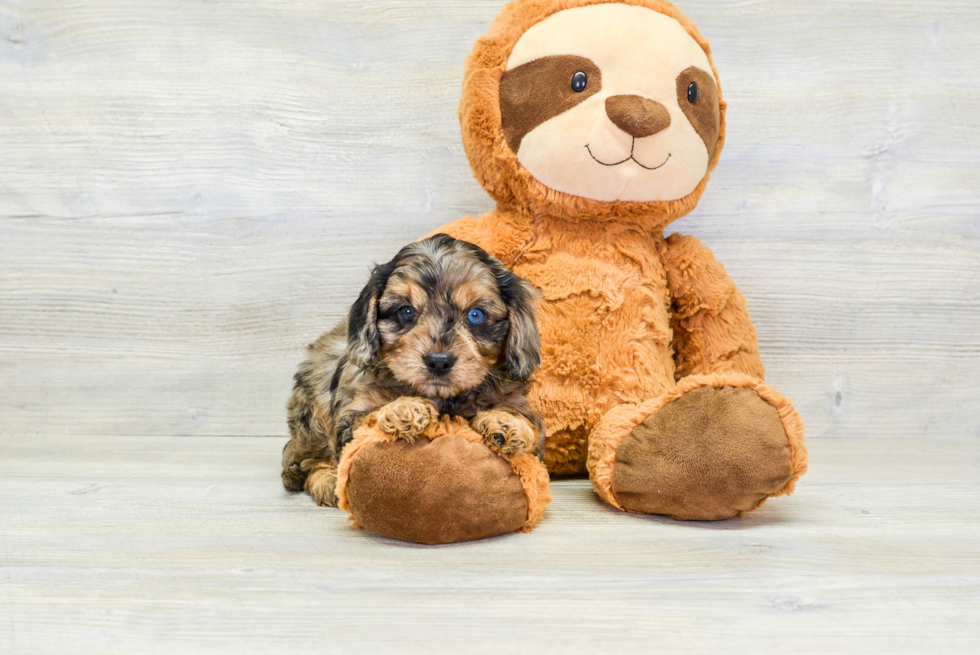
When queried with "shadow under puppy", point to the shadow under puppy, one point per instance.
{"points": [[442, 329]]}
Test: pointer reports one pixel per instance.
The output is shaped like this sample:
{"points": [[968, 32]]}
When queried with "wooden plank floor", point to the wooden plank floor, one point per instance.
{"points": [[147, 545]]}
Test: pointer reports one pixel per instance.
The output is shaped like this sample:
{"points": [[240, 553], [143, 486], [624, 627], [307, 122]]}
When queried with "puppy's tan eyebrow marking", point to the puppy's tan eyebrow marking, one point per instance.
{"points": [[401, 284], [393, 301], [480, 294], [539, 90]]}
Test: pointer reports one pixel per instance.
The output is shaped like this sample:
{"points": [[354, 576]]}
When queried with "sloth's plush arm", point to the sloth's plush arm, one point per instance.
{"points": [[712, 329], [499, 233]]}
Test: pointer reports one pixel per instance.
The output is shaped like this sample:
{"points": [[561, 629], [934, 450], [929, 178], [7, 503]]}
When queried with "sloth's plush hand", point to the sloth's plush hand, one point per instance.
{"points": [[504, 432], [406, 418]]}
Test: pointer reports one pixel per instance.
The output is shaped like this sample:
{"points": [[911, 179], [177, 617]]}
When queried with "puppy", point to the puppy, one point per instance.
{"points": [[442, 329]]}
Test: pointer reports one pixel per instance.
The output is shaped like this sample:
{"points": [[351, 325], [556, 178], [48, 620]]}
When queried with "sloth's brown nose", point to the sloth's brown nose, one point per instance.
{"points": [[637, 116]]}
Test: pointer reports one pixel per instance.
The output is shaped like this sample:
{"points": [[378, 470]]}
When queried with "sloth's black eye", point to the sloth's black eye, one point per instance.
{"points": [[692, 93], [579, 80], [406, 314]]}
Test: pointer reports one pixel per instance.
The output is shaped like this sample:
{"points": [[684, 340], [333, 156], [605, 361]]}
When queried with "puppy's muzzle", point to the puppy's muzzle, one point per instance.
{"points": [[439, 363]]}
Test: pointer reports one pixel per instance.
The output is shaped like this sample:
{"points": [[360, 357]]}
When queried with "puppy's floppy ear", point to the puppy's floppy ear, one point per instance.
{"points": [[363, 340], [523, 338]]}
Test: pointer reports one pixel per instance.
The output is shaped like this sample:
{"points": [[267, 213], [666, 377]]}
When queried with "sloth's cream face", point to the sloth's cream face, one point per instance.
{"points": [[611, 102]]}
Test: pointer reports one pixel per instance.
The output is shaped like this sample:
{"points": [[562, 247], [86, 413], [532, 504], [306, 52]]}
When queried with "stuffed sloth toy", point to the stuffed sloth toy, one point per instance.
{"points": [[594, 125]]}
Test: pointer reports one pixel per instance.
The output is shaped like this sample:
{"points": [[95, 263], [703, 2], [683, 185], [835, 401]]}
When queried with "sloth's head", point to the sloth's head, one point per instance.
{"points": [[593, 108]]}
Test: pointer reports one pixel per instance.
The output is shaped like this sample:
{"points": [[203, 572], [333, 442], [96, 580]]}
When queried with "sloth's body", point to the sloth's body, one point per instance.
{"points": [[594, 125]]}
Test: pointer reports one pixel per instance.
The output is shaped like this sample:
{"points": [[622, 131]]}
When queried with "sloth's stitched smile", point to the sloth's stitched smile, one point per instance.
{"points": [[630, 158]]}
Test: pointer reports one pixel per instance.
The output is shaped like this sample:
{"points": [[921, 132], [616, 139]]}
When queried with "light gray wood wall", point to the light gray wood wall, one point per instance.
{"points": [[190, 191]]}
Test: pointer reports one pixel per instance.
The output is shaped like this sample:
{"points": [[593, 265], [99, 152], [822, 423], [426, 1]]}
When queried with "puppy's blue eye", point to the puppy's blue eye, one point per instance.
{"points": [[475, 317], [579, 82], [406, 314]]}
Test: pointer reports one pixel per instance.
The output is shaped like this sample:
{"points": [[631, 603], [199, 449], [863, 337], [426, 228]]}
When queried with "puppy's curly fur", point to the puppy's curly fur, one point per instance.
{"points": [[441, 329]]}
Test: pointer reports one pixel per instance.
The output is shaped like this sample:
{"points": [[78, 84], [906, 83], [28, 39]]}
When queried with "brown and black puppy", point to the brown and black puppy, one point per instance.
{"points": [[441, 329]]}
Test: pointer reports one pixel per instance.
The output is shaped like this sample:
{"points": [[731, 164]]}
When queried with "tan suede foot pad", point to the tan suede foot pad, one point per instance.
{"points": [[445, 490], [711, 454]]}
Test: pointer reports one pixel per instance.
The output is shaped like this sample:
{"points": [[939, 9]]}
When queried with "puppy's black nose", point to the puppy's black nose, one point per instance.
{"points": [[439, 363]]}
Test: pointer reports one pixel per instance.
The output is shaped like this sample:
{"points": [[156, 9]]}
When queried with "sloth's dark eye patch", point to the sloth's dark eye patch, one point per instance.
{"points": [[697, 96], [539, 90]]}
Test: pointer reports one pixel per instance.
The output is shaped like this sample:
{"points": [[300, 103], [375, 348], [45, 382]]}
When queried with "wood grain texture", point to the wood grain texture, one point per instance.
{"points": [[191, 191], [163, 545]]}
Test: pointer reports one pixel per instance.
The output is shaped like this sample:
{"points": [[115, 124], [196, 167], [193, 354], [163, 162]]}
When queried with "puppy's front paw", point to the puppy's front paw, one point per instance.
{"points": [[406, 418], [505, 433], [322, 485]]}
